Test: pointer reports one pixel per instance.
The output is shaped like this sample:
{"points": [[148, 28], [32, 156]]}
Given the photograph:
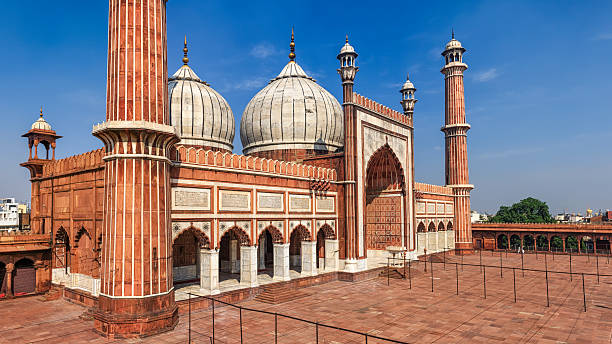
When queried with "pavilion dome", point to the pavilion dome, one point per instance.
{"points": [[201, 116], [41, 124]]}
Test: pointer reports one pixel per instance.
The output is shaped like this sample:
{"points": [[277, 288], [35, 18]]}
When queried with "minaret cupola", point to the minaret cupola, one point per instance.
{"points": [[453, 54], [408, 100], [347, 57]]}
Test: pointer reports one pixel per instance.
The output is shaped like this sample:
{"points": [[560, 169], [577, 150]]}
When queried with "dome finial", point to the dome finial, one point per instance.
{"points": [[346, 38], [41, 112], [292, 46], [185, 51], [452, 33]]}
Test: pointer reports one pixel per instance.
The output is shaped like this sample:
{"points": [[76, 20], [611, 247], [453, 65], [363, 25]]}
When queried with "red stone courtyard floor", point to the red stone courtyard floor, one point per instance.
{"points": [[411, 315]]}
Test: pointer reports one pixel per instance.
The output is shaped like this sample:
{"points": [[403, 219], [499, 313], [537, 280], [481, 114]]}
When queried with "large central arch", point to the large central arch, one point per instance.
{"points": [[385, 197]]}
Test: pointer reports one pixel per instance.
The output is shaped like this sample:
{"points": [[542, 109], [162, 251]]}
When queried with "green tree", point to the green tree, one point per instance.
{"points": [[528, 210]]}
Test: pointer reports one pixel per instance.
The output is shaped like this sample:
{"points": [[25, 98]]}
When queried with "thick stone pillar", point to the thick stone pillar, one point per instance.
{"points": [[248, 266], [332, 255], [9, 280], [209, 271], [234, 263], [309, 258], [281, 262], [137, 294]]}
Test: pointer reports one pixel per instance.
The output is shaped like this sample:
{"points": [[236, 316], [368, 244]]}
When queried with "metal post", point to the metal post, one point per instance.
{"points": [[431, 268], [366, 337], [523, 262], [388, 271], [444, 258], [410, 273], [317, 331], [546, 268], [480, 251], [404, 256], [275, 328], [461, 262], [583, 292], [457, 275], [240, 308], [571, 275], [189, 317], [484, 280], [514, 282], [213, 320], [597, 260], [425, 250], [501, 266]]}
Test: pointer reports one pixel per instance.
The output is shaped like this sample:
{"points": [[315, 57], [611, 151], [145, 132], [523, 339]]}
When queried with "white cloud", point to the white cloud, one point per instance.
{"points": [[248, 84], [264, 50], [486, 75], [603, 37]]}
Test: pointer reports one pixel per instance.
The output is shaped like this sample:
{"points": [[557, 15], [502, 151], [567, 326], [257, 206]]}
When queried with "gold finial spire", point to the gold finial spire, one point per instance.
{"points": [[292, 46], [41, 112], [185, 51], [407, 76], [452, 33], [346, 38]]}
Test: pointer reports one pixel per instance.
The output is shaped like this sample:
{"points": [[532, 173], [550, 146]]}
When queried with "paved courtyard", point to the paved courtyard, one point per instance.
{"points": [[413, 315]]}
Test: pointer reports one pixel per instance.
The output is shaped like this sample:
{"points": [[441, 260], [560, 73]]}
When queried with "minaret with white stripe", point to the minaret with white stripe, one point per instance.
{"points": [[455, 132], [136, 293]]}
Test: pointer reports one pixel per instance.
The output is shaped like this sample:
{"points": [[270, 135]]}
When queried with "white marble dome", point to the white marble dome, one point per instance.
{"points": [[292, 112], [453, 44], [201, 116], [41, 124]]}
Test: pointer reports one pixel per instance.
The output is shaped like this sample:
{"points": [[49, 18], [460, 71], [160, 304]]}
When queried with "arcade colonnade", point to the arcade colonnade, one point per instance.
{"points": [[236, 253], [575, 242]]}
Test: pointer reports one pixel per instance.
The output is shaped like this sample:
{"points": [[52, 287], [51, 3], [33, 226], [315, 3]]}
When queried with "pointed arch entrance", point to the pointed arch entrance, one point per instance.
{"points": [[385, 198]]}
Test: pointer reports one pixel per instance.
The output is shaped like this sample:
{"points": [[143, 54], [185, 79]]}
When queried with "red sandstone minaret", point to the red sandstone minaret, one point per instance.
{"points": [[347, 72], [136, 293], [455, 131]]}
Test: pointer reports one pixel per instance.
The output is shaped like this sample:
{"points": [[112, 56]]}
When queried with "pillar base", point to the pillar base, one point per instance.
{"points": [[464, 248], [135, 317]]}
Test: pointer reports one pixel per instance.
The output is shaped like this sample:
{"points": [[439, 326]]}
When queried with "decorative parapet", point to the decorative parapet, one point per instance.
{"points": [[433, 189], [380, 109], [75, 163], [198, 156]]}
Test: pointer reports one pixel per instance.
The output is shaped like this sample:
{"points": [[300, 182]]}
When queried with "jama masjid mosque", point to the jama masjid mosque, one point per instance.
{"points": [[323, 185]]}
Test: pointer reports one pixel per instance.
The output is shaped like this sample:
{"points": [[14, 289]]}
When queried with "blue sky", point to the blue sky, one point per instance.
{"points": [[537, 88]]}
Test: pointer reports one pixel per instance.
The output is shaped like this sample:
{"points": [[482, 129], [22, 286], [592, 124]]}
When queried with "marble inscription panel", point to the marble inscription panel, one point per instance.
{"points": [[234, 200]]}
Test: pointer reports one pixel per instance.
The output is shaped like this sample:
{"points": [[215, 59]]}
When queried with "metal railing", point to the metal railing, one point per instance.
{"points": [[317, 325]]}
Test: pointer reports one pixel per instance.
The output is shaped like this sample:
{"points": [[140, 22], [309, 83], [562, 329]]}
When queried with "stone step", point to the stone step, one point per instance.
{"points": [[279, 294]]}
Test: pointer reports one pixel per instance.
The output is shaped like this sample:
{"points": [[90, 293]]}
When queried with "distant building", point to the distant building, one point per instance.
{"points": [[9, 214], [478, 217]]}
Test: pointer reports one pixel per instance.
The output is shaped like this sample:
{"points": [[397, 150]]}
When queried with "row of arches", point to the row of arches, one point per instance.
{"points": [[188, 243], [80, 256], [557, 243], [433, 228]]}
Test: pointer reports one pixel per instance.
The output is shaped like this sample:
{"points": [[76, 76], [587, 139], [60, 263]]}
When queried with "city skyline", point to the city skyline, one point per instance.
{"points": [[536, 126]]}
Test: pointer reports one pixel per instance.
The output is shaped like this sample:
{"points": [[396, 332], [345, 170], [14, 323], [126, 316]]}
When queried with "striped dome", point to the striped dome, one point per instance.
{"points": [[292, 112], [200, 114]]}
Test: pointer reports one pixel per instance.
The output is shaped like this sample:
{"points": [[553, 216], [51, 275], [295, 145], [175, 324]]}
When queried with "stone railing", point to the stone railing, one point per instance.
{"points": [[430, 188], [380, 109], [224, 160], [74, 163]]}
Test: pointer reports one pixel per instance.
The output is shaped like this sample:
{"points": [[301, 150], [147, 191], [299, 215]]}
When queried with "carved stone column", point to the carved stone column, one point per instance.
{"points": [[309, 258], [248, 266], [209, 271], [281, 262]]}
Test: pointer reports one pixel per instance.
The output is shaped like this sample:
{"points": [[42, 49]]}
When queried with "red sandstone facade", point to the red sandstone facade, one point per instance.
{"points": [[132, 222]]}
